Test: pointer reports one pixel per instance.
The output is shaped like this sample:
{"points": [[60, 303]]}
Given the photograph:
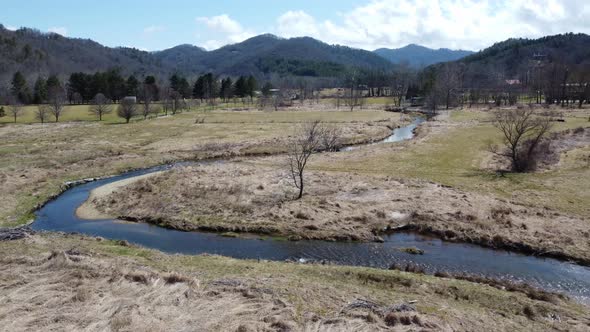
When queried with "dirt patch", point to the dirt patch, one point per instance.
{"points": [[89, 212]]}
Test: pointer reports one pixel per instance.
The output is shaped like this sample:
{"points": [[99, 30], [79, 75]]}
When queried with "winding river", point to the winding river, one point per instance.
{"points": [[548, 274]]}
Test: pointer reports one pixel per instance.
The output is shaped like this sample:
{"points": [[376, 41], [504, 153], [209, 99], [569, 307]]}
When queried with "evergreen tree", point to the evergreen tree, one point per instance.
{"points": [[20, 89], [241, 87], [152, 87], [266, 89], [116, 85], [175, 82], [53, 82], [226, 89], [40, 91], [199, 88], [251, 85], [132, 86], [184, 88]]}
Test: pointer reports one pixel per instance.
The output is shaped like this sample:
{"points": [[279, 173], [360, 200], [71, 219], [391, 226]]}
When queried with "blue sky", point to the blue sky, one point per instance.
{"points": [[154, 25]]}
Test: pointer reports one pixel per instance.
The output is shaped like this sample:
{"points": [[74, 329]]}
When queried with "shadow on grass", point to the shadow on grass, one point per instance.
{"points": [[495, 176]]}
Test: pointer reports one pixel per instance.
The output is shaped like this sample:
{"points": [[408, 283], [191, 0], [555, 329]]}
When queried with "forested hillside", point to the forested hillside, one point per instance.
{"points": [[514, 56], [419, 56], [37, 54]]}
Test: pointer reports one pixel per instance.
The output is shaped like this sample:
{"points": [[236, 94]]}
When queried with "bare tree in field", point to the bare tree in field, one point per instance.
{"points": [[146, 110], [147, 95], [15, 109], [522, 133], [101, 106], [127, 109], [330, 138], [306, 142], [56, 101], [42, 113]]}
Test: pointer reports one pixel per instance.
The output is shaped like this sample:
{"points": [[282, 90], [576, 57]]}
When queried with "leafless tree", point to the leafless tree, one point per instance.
{"points": [[448, 81], [56, 101], [101, 106], [306, 142], [277, 99], [330, 138], [147, 96], [522, 133], [127, 109], [176, 102], [399, 84], [42, 113], [431, 104], [15, 109]]}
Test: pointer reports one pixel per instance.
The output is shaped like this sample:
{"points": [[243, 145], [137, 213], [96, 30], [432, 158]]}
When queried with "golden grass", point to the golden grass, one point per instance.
{"points": [[207, 288], [454, 157], [36, 159]]}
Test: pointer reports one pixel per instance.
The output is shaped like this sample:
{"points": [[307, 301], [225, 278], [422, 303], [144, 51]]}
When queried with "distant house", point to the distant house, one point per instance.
{"points": [[131, 98]]}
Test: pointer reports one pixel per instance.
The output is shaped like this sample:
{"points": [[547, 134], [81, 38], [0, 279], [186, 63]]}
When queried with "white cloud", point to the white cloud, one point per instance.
{"points": [[59, 30], [469, 24], [224, 29], [466, 24], [297, 24], [11, 28]]}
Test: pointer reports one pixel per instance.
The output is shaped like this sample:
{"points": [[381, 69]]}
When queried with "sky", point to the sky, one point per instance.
{"points": [[156, 25]]}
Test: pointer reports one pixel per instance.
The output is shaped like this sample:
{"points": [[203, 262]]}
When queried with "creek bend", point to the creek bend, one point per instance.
{"points": [[545, 273]]}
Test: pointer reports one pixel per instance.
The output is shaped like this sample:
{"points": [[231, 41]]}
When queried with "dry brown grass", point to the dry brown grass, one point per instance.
{"points": [[342, 206], [101, 285], [35, 160]]}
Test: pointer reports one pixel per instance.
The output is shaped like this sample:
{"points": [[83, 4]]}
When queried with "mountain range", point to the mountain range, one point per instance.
{"points": [[41, 54], [419, 56], [34, 54]]}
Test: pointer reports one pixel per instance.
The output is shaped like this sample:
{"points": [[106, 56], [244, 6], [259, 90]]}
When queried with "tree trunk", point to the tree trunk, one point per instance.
{"points": [[300, 185]]}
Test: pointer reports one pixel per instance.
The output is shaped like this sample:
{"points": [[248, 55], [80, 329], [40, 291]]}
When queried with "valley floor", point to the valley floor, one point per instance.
{"points": [[443, 182]]}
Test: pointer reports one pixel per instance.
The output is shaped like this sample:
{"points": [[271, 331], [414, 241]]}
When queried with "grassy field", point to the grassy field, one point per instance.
{"points": [[36, 159], [106, 285], [454, 157], [82, 113], [71, 282]]}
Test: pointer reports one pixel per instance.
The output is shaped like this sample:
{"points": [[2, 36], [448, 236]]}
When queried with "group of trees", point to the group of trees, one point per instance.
{"points": [[207, 87]]}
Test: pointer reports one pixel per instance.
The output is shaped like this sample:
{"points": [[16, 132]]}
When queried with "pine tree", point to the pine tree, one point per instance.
{"points": [[20, 89], [40, 91]]}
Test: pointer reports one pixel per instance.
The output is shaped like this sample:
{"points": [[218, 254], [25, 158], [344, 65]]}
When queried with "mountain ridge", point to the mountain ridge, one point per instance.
{"points": [[420, 56]]}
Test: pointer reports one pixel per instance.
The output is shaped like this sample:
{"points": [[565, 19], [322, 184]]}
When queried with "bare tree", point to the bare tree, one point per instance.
{"points": [[277, 99], [448, 81], [400, 82], [101, 106], [147, 96], [176, 102], [306, 142], [127, 109], [330, 138], [146, 110], [522, 133], [56, 101], [42, 113], [15, 110]]}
